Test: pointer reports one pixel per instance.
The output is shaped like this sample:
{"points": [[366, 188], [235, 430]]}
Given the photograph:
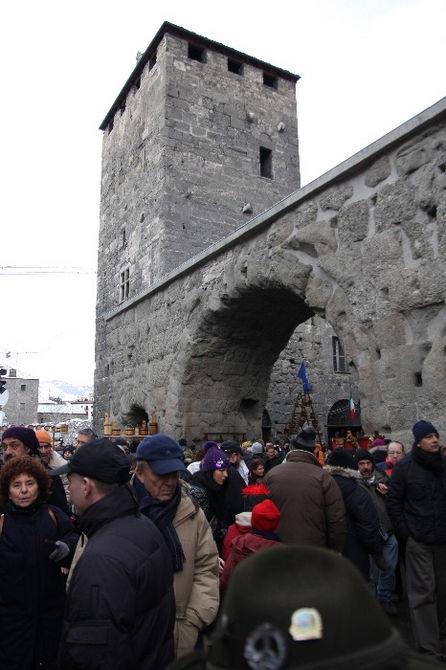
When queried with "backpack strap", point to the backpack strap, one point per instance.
{"points": [[50, 512], [53, 516]]}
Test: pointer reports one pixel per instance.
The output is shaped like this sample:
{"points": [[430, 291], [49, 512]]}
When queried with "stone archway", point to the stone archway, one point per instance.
{"points": [[229, 361]]}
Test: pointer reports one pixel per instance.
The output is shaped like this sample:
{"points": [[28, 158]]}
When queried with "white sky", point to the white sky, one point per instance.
{"points": [[366, 67]]}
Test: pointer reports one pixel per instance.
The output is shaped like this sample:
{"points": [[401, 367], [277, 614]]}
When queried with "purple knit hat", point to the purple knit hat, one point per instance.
{"points": [[214, 458], [25, 435]]}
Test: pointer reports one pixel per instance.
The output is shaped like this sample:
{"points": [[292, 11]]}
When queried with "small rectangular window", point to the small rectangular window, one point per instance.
{"points": [[270, 80], [124, 237], [235, 66], [196, 53], [339, 361], [124, 285], [22, 405], [23, 387], [266, 163]]}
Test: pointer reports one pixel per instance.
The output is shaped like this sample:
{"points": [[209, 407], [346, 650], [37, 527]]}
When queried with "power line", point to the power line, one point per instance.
{"points": [[16, 270]]}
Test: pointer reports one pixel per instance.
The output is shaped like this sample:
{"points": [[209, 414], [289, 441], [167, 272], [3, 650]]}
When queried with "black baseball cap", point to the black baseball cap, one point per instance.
{"points": [[99, 459], [231, 447]]}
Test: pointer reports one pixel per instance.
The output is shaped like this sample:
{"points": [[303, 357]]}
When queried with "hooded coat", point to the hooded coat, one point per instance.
{"points": [[32, 587], [120, 605], [363, 537]]}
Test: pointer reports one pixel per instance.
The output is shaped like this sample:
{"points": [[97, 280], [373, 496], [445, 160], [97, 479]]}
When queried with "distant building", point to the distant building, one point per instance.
{"points": [[23, 398], [54, 413]]}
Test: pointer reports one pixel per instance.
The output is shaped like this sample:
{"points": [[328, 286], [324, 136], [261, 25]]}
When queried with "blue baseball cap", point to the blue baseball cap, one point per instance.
{"points": [[162, 453]]}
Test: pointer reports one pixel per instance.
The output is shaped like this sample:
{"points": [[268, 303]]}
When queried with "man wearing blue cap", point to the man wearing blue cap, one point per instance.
{"points": [[416, 503], [187, 534]]}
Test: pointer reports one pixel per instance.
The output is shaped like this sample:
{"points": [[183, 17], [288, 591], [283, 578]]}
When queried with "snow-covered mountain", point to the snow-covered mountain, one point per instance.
{"points": [[62, 390]]}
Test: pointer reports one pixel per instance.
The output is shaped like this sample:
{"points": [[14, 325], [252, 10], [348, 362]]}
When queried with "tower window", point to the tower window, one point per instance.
{"points": [[235, 66], [270, 80], [23, 387], [196, 53], [123, 237], [339, 363], [266, 162], [124, 284], [152, 62]]}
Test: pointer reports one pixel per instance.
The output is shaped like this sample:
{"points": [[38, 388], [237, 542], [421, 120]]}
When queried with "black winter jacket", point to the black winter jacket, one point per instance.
{"points": [[220, 503], [363, 537], [416, 501], [32, 588], [120, 605]]}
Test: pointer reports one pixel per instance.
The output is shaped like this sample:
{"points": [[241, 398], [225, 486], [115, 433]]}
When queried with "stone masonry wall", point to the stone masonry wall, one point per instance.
{"points": [[363, 247]]}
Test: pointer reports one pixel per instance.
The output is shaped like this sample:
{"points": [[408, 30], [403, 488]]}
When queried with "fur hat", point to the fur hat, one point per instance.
{"points": [[265, 516], [363, 455], [423, 428], [25, 435]]}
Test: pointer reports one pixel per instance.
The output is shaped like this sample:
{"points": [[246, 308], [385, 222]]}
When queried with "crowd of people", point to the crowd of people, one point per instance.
{"points": [[227, 555]]}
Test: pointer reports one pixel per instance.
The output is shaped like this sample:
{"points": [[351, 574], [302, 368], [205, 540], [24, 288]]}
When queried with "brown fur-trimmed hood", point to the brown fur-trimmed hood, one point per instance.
{"points": [[343, 472]]}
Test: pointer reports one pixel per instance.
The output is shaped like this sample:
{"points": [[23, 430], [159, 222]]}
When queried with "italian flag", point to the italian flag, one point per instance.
{"points": [[351, 407]]}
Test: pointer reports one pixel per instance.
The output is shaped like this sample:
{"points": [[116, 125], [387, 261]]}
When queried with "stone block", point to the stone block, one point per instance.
{"points": [[395, 205], [306, 214], [412, 157], [335, 197], [315, 239], [379, 171], [353, 222]]}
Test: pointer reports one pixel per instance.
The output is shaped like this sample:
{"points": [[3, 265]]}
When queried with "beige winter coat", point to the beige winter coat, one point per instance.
{"points": [[197, 585]]}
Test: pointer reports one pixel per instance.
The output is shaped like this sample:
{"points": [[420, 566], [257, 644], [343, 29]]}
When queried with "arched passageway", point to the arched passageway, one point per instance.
{"points": [[226, 376]]}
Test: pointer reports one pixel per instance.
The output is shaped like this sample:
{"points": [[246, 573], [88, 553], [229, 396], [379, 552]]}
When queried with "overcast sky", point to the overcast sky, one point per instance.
{"points": [[366, 67]]}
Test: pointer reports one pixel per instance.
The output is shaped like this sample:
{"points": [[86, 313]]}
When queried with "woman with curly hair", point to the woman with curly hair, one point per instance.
{"points": [[36, 540]]}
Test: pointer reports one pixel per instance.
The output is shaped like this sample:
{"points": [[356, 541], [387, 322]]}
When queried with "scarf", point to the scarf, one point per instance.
{"points": [[162, 513], [433, 462], [267, 534]]}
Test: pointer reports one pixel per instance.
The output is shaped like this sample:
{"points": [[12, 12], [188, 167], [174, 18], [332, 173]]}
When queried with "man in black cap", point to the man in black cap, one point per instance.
{"points": [[416, 503], [310, 502], [234, 453], [188, 536], [120, 604]]}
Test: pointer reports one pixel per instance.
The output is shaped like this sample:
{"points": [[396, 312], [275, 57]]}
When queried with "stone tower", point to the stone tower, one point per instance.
{"points": [[200, 139]]}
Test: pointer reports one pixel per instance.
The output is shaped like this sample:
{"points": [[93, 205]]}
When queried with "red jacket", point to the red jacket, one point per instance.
{"points": [[241, 526], [242, 547]]}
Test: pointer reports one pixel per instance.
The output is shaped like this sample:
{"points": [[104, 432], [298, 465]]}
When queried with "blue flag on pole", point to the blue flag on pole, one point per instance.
{"points": [[302, 374]]}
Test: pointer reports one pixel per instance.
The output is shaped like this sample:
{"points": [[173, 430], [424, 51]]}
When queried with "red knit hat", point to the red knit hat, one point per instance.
{"points": [[265, 516]]}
